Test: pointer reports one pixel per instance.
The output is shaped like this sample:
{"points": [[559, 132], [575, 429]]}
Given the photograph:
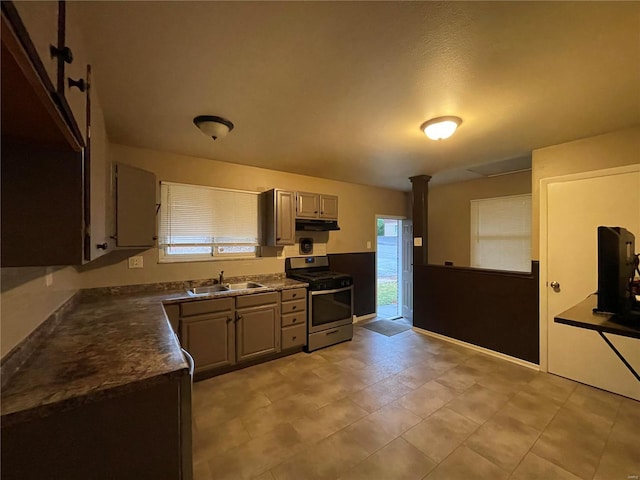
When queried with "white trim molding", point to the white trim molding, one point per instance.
{"points": [[486, 351], [363, 318]]}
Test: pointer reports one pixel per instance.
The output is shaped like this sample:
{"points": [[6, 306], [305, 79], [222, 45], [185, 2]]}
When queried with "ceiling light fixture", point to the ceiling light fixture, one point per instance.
{"points": [[212, 126], [441, 127]]}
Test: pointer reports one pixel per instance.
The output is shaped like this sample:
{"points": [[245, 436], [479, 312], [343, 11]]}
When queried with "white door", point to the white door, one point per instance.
{"points": [[575, 208], [407, 269]]}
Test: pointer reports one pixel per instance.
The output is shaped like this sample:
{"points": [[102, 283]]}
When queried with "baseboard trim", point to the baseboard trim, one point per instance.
{"points": [[486, 351], [362, 318]]}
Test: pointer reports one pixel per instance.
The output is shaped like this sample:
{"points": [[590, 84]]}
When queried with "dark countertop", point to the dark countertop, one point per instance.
{"points": [[583, 316], [107, 345]]}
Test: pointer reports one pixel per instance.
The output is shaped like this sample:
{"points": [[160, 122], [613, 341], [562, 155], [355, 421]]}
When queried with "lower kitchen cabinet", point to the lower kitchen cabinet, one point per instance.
{"points": [[257, 331], [294, 318], [219, 333], [137, 435], [210, 339], [207, 332]]}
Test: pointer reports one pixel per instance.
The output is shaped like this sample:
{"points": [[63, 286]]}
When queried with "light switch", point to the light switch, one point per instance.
{"points": [[368, 245], [417, 241]]}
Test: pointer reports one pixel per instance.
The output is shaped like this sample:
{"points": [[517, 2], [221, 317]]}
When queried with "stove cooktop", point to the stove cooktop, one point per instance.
{"points": [[315, 271], [323, 280]]}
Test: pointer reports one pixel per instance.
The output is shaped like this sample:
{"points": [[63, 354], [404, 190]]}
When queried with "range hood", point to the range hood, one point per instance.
{"points": [[315, 225]]}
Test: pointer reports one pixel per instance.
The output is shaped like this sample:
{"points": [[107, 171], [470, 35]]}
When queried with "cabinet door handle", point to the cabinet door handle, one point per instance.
{"points": [[102, 246], [277, 239], [79, 84], [63, 53]]}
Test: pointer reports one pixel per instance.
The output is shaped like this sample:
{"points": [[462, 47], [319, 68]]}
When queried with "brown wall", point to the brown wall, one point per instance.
{"points": [[494, 310], [362, 267], [449, 213]]}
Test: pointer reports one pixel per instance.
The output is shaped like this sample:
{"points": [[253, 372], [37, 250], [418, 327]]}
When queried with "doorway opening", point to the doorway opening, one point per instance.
{"points": [[394, 293]]}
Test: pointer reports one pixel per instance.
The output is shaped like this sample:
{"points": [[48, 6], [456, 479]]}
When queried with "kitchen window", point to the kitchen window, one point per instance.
{"points": [[501, 233], [199, 223]]}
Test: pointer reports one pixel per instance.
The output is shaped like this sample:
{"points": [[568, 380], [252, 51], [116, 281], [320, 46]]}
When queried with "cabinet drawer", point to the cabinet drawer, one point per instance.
{"points": [[206, 306], [294, 336], [294, 306], [298, 318], [295, 294], [254, 300]]}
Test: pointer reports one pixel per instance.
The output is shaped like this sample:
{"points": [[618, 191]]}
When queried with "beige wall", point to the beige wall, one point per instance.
{"points": [[26, 301], [358, 206], [613, 149], [449, 213]]}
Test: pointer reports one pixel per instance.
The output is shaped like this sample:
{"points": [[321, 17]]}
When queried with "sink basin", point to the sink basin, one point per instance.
{"points": [[223, 288], [208, 290], [244, 285]]}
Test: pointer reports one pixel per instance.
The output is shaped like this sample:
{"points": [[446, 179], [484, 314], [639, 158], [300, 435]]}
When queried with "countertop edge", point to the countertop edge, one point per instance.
{"points": [[71, 403]]}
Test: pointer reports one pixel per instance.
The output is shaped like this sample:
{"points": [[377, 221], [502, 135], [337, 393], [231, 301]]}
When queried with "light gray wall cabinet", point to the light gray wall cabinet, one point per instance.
{"points": [[316, 205], [135, 199], [279, 208]]}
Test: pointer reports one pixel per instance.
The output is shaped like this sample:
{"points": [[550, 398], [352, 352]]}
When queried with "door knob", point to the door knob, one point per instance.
{"points": [[555, 286]]}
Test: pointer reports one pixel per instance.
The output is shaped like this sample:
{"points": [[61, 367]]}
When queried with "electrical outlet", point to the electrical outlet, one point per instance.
{"points": [[48, 279], [368, 245], [136, 262]]}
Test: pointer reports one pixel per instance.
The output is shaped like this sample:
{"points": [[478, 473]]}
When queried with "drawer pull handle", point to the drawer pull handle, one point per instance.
{"points": [[294, 295], [293, 308], [294, 320], [331, 333], [294, 337]]}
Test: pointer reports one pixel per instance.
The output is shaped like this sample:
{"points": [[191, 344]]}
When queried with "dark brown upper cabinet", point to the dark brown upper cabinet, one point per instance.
{"points": [[53, 185]]}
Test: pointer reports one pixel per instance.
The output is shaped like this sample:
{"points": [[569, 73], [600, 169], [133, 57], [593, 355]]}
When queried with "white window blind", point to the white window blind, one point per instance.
{"points": [[501, 233], [199, 221]]}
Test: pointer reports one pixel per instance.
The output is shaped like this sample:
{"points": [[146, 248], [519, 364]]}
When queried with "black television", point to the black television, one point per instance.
{"points": [[617, 264]]}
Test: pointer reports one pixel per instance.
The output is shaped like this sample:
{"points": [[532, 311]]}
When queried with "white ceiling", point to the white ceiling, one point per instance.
{"points": [[339, 89]]}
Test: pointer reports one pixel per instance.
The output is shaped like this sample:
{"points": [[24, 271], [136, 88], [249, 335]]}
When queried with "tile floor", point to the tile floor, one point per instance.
{"points": [[408, 407]]}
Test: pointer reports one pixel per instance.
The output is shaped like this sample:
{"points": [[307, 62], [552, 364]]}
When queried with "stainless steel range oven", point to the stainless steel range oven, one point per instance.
{"points": [[330, 301]]}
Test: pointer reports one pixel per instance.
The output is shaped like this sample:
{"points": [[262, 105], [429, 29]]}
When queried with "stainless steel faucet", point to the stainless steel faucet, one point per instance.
{"points": [[221, 277]]}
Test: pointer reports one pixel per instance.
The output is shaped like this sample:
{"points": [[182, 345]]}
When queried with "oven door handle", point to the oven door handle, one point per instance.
{"points": [[326, 292]]}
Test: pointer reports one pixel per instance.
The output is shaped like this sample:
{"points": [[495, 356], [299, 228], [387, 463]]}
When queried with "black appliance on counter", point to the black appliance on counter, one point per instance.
{"points": [[329, 300]]}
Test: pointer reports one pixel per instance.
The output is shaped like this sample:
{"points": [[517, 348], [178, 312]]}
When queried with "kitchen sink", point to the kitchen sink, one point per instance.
{"points": [[195, 291], [244, 285], [208, 290]]}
